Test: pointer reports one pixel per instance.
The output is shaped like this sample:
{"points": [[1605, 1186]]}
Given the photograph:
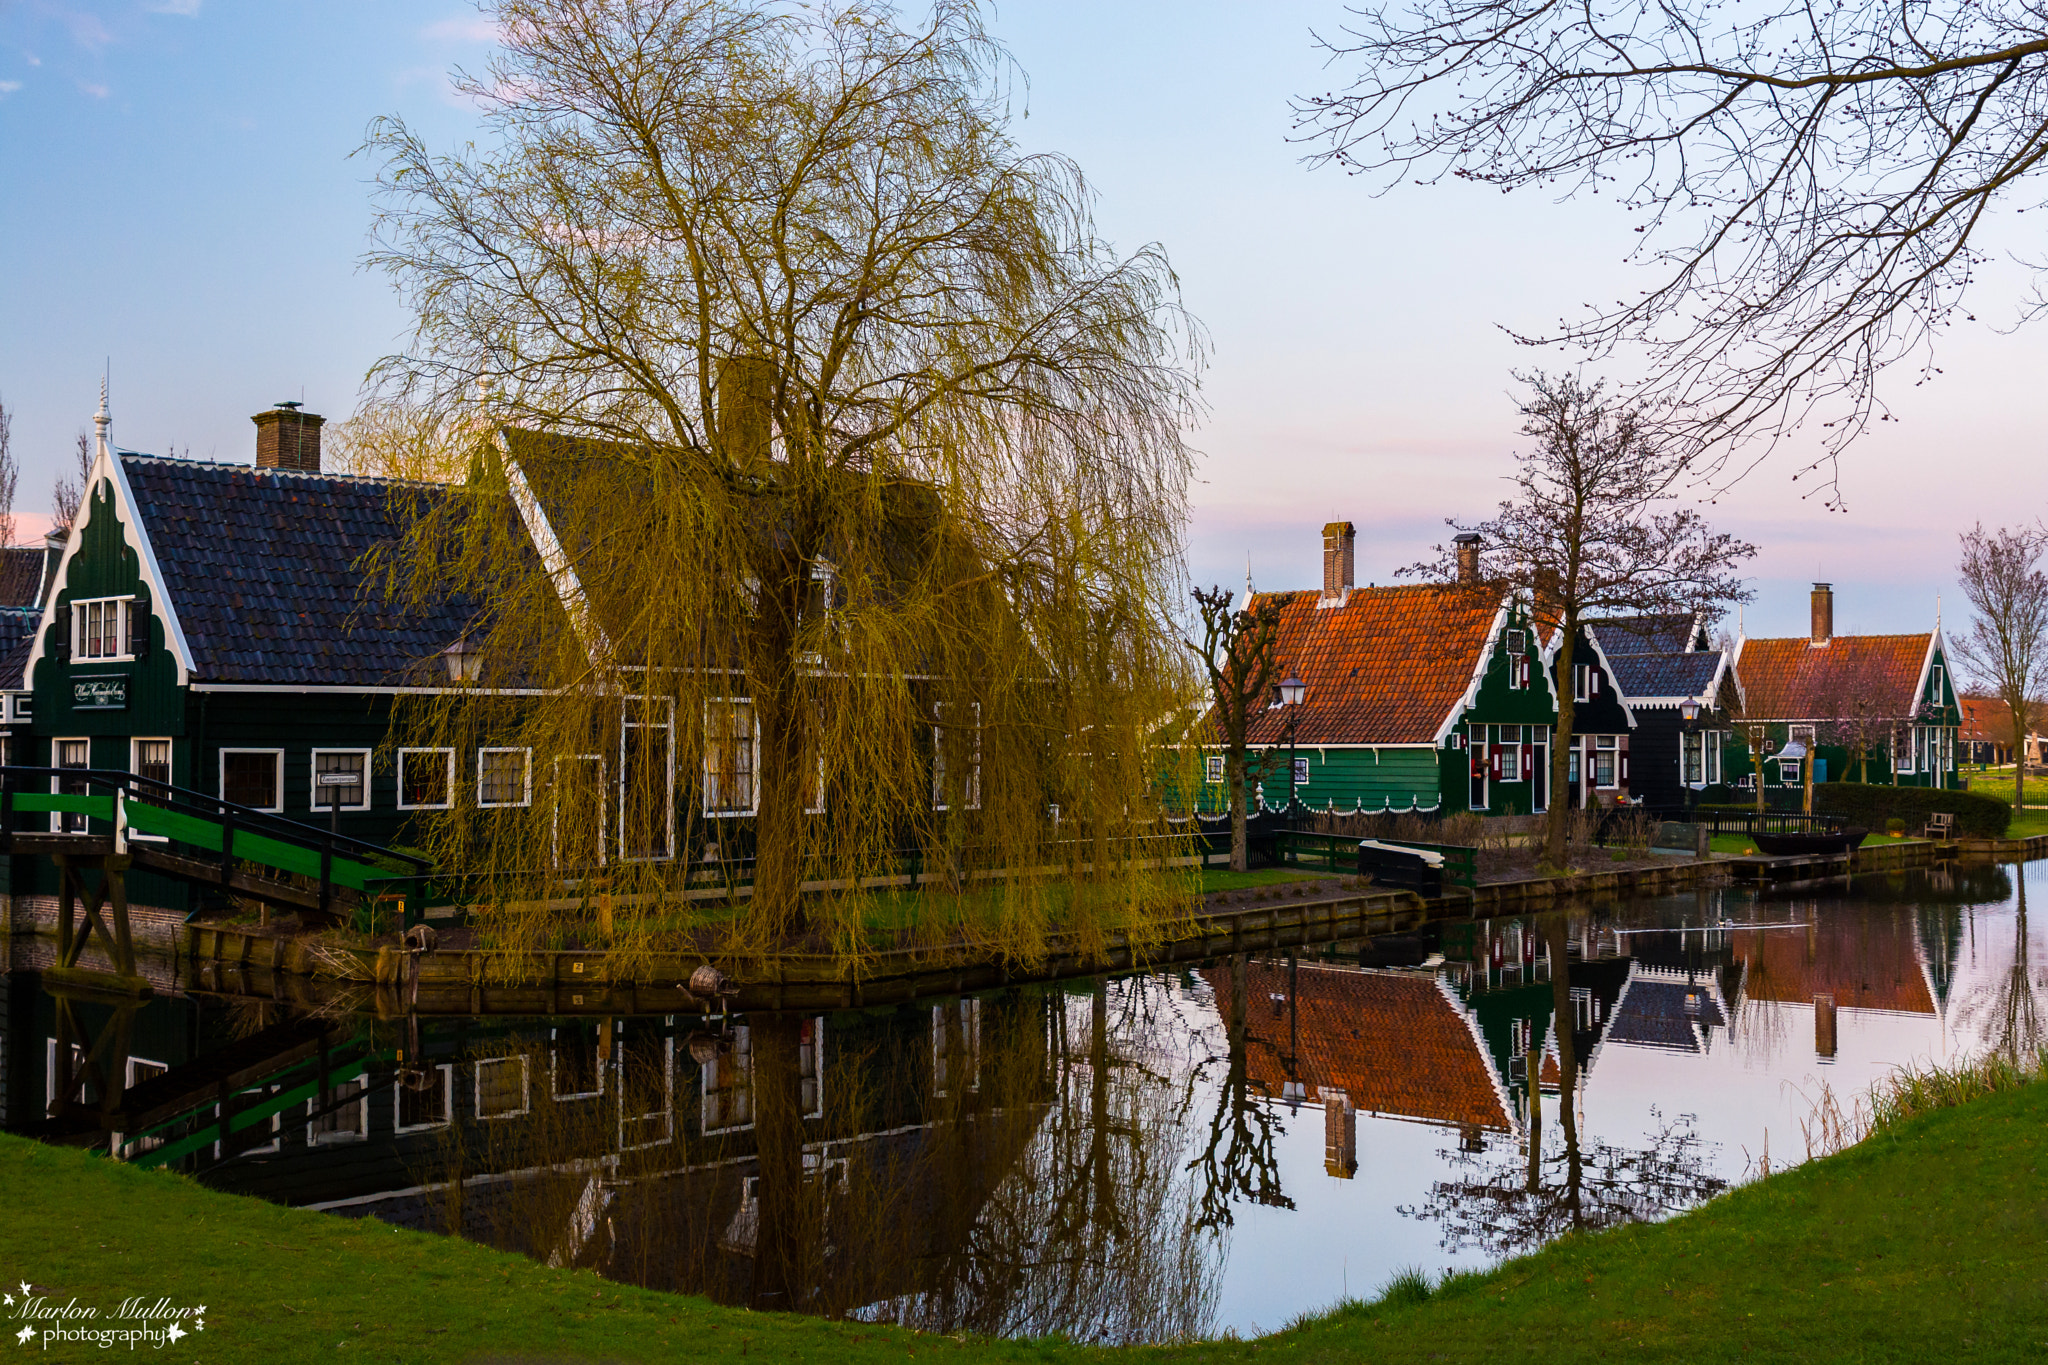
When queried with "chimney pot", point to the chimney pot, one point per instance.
{"points": [[1823, 613], [1339, 538], [288, 439], [1468, 556]]}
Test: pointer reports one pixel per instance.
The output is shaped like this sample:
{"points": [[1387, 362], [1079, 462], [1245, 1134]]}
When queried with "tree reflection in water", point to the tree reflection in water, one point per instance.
{"points": [[1012, 1165], [2006, 1009], [1238, 1161], [1514, 1201]]}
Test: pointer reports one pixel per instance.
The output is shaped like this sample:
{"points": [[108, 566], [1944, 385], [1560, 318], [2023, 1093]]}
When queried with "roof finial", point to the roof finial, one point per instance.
{"points": [[1247, 577], [102, 420], [1937, 611]]}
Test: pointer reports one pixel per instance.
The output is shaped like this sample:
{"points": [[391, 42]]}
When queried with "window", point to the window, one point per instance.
{"points": [[504, 777], [1301, 772], [151, 759], [1801, 734], [1518, 642], [1934, 686], [426, 779], [347, 1121], [100, 629], [577, 1066], [1788, 772], [69, 753], [328, 791], [500, 1087], [730, 737], [1605, 769], [956, 761], [425, 1104], [1585, 682], [250, 777], [1213, 765], [728, 1082], [810, 1068], [646, 1062], [647, 781], [1518, 672]]}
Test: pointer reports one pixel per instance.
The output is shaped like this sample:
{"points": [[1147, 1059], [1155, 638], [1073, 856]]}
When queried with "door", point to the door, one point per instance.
{"points": [[70, 753]]}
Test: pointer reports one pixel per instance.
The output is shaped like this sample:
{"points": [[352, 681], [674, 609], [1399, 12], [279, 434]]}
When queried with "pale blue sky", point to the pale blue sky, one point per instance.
{"points": [[176, 194]]}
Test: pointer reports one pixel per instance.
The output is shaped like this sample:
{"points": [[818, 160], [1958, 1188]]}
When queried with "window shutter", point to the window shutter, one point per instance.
{"points": [[1495, 764], [138, 628], [1624, 765]]}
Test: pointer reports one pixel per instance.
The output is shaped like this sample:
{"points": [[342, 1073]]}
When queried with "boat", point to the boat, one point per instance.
{"points": [[1805, 845]]}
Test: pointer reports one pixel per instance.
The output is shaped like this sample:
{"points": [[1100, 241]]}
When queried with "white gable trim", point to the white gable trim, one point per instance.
{"points": [[1593, 638], [568, 587], [1471, 692], [1934, 641], [107, 465]]}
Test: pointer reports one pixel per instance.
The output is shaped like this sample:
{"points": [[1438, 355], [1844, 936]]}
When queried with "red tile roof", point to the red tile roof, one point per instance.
{"points": [[1866, 961], [1387, 667], [1794, 679], [1986, 719], [1394, 1043]]}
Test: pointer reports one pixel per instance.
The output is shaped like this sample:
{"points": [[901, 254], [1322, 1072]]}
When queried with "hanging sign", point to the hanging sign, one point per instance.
{"points": [[100, 692]]}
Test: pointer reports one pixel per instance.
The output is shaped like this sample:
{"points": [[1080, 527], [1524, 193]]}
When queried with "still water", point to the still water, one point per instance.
{"points": [[1137, 1158]]}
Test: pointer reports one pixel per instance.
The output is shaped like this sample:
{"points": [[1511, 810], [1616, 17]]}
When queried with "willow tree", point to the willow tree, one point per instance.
{"points": [[822, 479]]}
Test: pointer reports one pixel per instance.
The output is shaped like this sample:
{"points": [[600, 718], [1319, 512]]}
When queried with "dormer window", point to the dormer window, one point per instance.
{"points": [[107, 629]]}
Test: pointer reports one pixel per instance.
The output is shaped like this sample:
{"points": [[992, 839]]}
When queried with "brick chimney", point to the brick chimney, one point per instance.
{"points": [[288, 439], [1823, 613], [1468, 556], [1339, 538]]}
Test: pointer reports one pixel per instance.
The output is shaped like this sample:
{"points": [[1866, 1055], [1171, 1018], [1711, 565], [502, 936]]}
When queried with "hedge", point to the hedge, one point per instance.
{"points": [[1977, 815]]}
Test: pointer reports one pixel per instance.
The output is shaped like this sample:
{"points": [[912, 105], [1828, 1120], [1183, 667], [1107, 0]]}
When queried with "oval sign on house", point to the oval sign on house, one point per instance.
{"points": [[103, 692]]}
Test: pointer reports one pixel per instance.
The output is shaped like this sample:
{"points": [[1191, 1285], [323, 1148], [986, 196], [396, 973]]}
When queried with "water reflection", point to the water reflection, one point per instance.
{"points": [[1137, 1159]]}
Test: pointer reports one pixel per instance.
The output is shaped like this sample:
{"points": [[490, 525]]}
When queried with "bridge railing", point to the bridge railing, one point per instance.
{"points": [[124, 804]]}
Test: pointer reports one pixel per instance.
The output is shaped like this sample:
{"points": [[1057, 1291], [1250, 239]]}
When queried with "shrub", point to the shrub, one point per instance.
{"points": [[1977, 815], [1895, 826]]}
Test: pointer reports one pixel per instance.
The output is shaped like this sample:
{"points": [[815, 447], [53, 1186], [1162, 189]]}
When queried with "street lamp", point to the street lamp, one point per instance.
{"points": [[1292, 690], [465, 661]]}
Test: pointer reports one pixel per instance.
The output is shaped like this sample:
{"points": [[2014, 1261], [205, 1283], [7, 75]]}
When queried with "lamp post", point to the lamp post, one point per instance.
{"points": [[1292, 690]]}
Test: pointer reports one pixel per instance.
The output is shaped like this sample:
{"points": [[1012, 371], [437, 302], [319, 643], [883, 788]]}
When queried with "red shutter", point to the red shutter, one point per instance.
{"points": [[1528, 762], [1624, 767], [1495, 757]]}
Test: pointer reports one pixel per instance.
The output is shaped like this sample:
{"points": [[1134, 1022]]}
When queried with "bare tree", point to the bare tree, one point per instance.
{"points": [[1861, 709], [1239, 650], [1594, 531], [10, 476], [1813, 183], [2006, 645], [70, 490]]}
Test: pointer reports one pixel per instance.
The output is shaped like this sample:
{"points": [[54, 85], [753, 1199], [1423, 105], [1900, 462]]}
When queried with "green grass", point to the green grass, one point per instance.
{"points": [[1222, 879], [1742, 843], [1927, 1241]]}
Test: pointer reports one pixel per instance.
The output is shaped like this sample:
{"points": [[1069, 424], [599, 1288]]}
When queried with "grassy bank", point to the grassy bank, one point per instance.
{"points": [[1927, 1240]]}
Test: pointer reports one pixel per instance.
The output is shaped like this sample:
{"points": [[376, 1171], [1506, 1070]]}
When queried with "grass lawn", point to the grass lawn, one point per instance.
{"points": [[1927, 1242], [1743, 844]]}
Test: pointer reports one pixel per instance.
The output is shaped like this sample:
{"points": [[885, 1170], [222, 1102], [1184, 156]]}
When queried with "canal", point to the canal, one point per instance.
{"points": [[1135, 1158]]}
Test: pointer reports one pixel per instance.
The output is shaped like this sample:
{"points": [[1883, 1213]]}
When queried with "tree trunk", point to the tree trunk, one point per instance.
{"points": [[1240, 844], [1556, 826], [2019, 759], [1555, 931], [778, 763]]}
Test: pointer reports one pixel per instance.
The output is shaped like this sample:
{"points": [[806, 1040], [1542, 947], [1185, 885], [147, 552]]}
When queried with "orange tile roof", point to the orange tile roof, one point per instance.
{"points": [[1794, 679], [1986, 719], [1394, 1043], [1384, 668], [1868, 960]]}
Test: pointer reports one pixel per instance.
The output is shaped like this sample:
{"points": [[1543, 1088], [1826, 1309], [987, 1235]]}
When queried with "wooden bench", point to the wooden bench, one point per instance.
{"points": [[1940, 825]]}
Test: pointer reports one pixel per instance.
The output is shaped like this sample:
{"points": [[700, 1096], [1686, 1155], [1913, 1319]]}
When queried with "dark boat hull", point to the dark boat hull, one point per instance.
{"points": [[1802, 845]]}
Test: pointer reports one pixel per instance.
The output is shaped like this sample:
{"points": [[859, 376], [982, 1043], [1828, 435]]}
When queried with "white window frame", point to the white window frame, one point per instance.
{"points": [[939, 761], [526, 795], [316, 795], [447, 1070], [276, 775], [447, 757], [59, 820], [555, 1049], [135, 744], [1610, 747], [1789, 772], [666, 1113], [315, 1138], [668, 794], [707, 1076], [1212, 769], [124, 608], [525, 1087], [753, 765], [1300, 771]]}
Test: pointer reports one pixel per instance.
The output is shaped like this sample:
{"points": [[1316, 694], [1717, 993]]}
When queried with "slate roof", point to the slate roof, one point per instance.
{"points": [[1384, 668], [1665, 1014], [260, 566], [21, 576], [1663, 675], [17, 635], [1394, 1043], [1661, 633], [1794, 679]]}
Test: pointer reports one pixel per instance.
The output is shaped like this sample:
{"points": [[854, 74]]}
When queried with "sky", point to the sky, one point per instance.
{"points": [[180, 207]]}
